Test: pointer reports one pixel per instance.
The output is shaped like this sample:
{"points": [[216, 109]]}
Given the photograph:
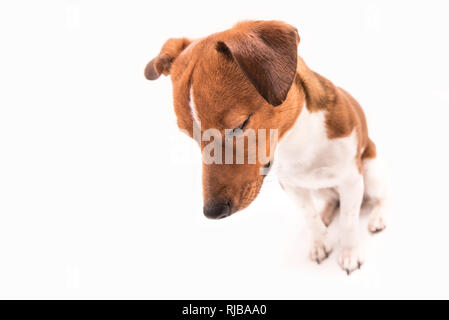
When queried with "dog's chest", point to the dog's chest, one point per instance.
{"points": [[306, 158]]}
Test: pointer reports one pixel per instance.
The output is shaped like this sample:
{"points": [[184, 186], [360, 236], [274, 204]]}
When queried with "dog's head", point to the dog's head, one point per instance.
{"points": [[226, 88]]}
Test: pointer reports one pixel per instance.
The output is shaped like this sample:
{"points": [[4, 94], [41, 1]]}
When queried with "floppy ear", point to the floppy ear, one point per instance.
{"points": [[162, 63], [266, 51]]}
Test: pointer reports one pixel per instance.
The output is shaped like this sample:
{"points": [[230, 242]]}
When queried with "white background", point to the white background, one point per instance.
{"points": [[100, 194]]}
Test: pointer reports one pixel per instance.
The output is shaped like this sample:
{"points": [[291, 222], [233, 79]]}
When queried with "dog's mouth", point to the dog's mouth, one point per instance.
{"points": [[219, 209], [249, 193]]}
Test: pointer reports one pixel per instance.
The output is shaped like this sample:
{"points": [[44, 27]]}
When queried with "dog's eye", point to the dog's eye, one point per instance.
{"points": [[241, 127], [268, 164]]}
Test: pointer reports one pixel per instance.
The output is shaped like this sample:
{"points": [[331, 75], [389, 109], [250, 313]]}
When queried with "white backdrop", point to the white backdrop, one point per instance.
{"points": [[100, 194]]}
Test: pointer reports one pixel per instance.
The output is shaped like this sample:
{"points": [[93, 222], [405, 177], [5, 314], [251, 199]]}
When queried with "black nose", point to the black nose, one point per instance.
{"points": [[217, 210]]}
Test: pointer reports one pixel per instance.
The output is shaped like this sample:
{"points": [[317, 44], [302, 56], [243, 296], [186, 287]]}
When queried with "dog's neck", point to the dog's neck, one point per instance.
{"points": [[319, 92]]}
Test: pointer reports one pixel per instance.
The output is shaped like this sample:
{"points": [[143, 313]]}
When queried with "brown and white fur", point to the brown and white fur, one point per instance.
{"points": [[250, 76]]}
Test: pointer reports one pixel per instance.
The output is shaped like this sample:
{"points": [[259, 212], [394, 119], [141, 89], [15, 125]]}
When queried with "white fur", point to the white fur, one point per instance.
{"points": [[191, 97], [308, 159], [310, 165], [193, 107], [376, 193]]}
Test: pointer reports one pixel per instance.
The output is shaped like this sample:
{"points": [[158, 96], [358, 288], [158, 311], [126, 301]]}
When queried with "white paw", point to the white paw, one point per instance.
{"points": [[319, 251], [376, 223], [350, 260]]}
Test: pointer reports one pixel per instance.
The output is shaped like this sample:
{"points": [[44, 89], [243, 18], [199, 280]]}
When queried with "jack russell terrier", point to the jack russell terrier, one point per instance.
{"points": [[250, 77]]}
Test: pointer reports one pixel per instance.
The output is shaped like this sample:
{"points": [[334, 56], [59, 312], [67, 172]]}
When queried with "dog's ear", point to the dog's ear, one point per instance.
{"points": [[266, 51], [162, 63]]}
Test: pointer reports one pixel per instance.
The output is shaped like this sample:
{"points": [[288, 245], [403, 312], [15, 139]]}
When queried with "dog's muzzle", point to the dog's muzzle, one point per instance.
{"points": [[217, 210]]}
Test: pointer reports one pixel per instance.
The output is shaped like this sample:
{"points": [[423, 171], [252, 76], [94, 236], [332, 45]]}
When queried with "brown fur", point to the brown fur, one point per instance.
{"points": [[343, 112], [251, 70]]}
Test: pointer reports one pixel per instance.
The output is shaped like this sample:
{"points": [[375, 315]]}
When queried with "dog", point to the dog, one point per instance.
{"points": [[251, 77]]}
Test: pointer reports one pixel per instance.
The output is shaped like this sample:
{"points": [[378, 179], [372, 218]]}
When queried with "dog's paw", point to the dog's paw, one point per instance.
{"points": [[350, 260], [319, 251], [376, 223]]}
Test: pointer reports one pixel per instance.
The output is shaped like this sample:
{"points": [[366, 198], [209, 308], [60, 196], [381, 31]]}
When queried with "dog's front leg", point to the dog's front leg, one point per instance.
{"points": [[351, 196], [320, 247]]}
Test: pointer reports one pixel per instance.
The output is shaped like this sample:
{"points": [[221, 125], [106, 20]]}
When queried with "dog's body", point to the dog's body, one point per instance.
{"points": [[313, 161], [251, 77]]}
